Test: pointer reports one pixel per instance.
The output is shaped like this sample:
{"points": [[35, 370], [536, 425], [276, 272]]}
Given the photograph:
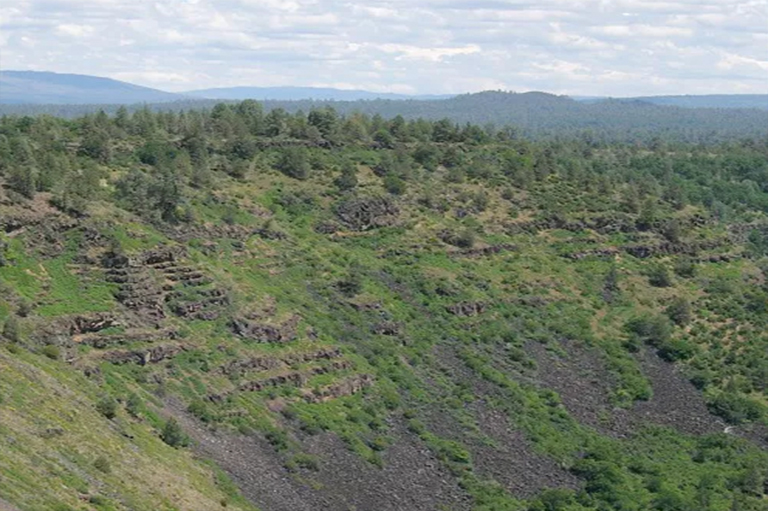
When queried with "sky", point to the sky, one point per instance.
{"points": [[577, 47]]}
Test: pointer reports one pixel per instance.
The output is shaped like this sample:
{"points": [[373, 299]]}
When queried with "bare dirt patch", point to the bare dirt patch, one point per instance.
{"points": [[5, 506]]}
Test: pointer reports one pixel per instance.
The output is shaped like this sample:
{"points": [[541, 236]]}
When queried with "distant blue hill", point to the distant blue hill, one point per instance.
{"points": [[37, 87], [300, 93], [759, 101]]}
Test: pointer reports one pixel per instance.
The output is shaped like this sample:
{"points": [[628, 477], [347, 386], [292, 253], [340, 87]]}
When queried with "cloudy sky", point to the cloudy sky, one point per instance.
{"points": [[587, 47]]}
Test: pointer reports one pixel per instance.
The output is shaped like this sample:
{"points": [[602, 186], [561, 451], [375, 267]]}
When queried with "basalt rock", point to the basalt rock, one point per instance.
{"points": [[103, 341], [292, 378], [200, 309], [270, 234], [152, 355], [161, 255], [486, 251], [467, 309], [91, 323], [387, 328], [347, 387], [643, 251], [250, 364], [608, 252], [365, 306], [363, 213], [323, 354], [533, 301], [263, 332], [326, 228]]}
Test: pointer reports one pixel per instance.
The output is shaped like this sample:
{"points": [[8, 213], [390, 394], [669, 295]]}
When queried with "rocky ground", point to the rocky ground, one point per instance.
{"points": [[584, 384], [411, 477]]}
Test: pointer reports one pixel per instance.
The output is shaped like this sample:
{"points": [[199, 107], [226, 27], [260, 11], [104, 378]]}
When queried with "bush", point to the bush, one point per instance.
{"points": [[685, 268], [102, 465], [11, 330], [52, 352], [134, 406], [653, 330], [462, 239], [351, 285], [658, 276], [348, 178], [679, 311], [107, 407], [25, 308], [173, 435], [277, 439], [305, 461], [294, 162], [677, 349], [735, 408], [394, 184], [199, 409]]}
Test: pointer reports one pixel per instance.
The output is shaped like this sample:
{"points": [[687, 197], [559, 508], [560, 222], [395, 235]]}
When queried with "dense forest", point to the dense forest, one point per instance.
{"points": [[532, 115], [305, 307]]}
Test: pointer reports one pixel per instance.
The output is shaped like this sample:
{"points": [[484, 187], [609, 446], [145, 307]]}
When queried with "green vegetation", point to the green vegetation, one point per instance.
{"points": [[387, 282]]}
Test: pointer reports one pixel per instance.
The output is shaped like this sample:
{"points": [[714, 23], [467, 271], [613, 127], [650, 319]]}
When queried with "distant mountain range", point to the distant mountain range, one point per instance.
{"points": [[297, 93], [36, 87], [704, 101], [45, 88], [39, 88]]}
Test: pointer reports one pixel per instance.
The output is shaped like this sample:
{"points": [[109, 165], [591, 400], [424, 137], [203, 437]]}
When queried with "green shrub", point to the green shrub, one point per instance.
{"points": [[679, 311], [107, 407], [199, 409], [653, 330], [416, 426], [685, 268], [462, 239], [278, 439], [394, 184], [173, 435], [735, 408], [347, 180], [102, 465], [11, 330], [658, 276], [134, 406], [306, 461], [294, 162], [51, 351], [677, 349]]}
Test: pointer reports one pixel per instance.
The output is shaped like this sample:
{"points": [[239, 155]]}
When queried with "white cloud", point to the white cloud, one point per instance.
{"points": [[615, 47], [72, 30], [643, 31], [731, 61], [153, 77], [432, 54]]}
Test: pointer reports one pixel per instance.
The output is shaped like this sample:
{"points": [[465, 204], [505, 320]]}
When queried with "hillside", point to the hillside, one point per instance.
{"points": [[245, 309], [298, 93], [36, 87]]}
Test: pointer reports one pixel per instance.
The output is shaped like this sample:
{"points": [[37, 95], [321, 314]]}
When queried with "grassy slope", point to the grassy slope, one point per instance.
{"points": [[41, 466]]}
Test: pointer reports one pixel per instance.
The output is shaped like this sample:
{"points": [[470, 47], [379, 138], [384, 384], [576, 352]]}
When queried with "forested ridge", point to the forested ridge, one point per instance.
{"points": [[532, 115], [248, 307]]}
